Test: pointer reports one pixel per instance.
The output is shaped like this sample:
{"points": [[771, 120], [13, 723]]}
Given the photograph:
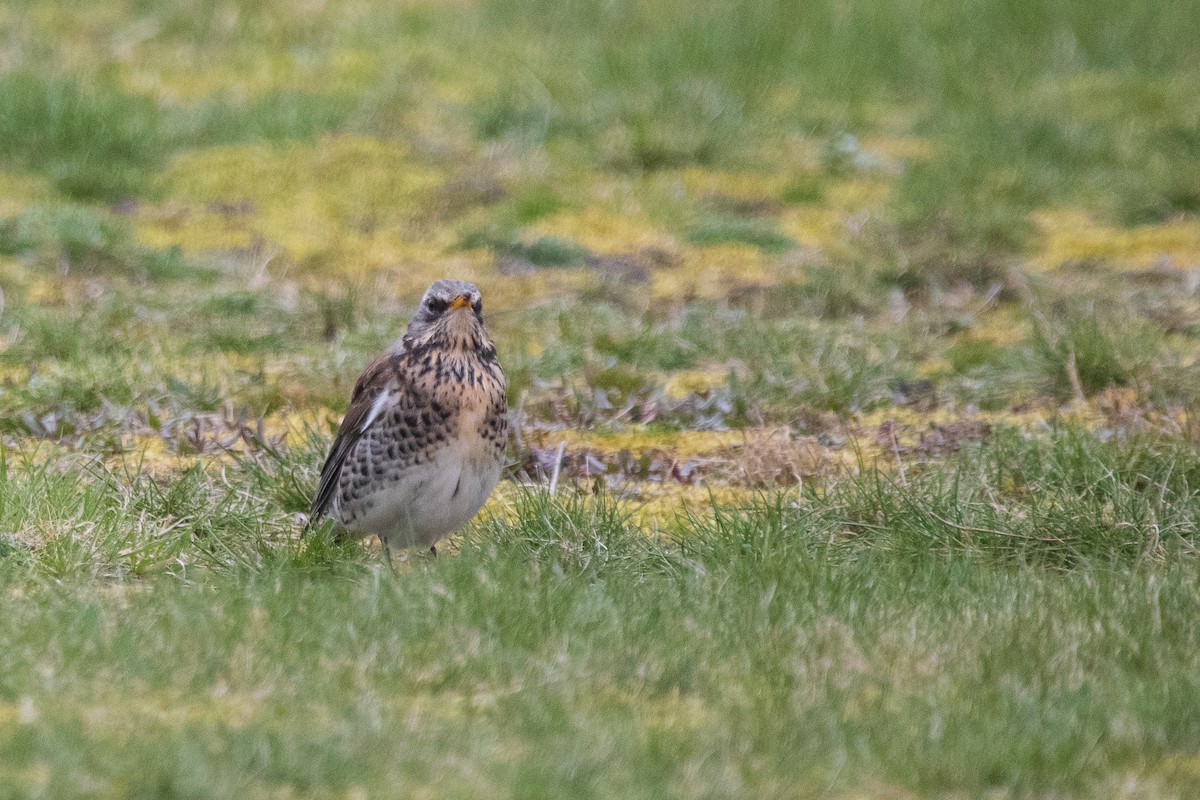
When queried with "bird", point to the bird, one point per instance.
{"points": [[423, 441]]}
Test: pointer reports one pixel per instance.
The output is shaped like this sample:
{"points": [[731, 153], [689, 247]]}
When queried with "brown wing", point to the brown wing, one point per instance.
{"points": [[374, 381]]}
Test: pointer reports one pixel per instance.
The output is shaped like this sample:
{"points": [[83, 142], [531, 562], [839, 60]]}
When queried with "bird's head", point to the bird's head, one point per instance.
{"points": [[450, 316]]}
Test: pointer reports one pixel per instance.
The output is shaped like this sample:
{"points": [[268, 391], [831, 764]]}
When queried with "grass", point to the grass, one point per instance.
{"points": [[720, 230], [562, 650], [93, 145], [857, 341]]}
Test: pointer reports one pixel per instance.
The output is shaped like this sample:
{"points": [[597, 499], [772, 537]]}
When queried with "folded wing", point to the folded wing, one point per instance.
{"points": [[376, 390]]}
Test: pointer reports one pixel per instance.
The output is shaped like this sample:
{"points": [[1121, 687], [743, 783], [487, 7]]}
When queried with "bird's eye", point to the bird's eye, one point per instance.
{"points": [[436, 305]]}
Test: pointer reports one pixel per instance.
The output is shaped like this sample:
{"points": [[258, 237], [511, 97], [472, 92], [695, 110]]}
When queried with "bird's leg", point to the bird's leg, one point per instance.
{"points": [[387, 551]]}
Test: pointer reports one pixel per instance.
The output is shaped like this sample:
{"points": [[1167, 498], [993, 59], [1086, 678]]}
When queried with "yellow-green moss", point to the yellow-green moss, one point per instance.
{"points": [[354, 203], [1072, 237]]}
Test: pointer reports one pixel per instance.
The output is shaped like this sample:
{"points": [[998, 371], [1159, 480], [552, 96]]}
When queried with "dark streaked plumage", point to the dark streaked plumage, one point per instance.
{"points": [[422, 443]]}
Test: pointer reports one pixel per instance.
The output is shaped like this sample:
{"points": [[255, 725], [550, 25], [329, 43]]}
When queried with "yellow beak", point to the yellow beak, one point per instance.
{"points": [[462, 301]]}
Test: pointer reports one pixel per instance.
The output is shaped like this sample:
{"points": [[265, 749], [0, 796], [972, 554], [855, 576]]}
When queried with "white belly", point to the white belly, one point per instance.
{"points": [[430, 500]]}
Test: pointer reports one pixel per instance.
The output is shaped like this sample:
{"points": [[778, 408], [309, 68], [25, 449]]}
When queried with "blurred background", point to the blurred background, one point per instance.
{"points": [[686, 218]]}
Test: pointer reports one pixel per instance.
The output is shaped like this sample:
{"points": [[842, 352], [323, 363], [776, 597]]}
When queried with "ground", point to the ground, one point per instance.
{"points": [[851, 351]]}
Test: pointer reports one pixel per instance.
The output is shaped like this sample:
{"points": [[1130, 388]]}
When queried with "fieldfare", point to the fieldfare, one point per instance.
{"points": [[423, 441]]}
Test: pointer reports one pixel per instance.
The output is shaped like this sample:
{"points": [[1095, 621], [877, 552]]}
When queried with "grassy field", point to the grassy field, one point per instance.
{"points": [[852, 353]]}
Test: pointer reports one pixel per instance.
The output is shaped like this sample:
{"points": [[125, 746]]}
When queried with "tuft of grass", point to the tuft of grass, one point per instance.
{"points": [[1060, 502], [540, 251], [828, 292], [534, 203], [80, 240], [716, 229], [521, 118], [804, 189], [98, 144], [1084, 350], [274, 117]]}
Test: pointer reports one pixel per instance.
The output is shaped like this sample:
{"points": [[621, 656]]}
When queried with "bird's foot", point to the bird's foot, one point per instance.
{"points": [[387, 551]]}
